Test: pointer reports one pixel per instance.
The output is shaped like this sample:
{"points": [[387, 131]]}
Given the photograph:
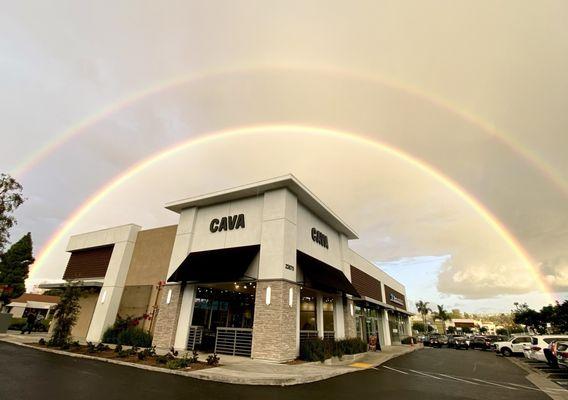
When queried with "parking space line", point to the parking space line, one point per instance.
{"points": [[457, 379], [425, 374], [494, 384], [396, 370]]}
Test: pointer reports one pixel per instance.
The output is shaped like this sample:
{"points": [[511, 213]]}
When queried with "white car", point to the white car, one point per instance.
{"points": [[512, 346], [527, 350], [541, 342]]}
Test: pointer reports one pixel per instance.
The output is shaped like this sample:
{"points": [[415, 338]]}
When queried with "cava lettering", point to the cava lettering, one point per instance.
{"points": [[227, 223]]}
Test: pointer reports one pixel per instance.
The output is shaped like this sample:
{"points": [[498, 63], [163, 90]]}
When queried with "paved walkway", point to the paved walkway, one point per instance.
{"points": [[241, 370]]}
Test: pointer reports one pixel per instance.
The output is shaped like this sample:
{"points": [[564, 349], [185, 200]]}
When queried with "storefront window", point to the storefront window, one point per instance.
{"points": [[308, 315], [328, 304]]}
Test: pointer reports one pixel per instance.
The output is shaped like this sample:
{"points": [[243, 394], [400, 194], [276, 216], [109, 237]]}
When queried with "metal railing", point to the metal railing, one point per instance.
{"points": [[329, 335], [195, 336], [234, 341], [306, 335]]}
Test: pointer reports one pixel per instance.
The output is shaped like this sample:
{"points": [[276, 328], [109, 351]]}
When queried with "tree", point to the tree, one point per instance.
{"points": [[10, 199], [451, 330], [466, 329], [14, 268], [482, 330], [66, 314], [419, 326], [443, 315], [422, 307], [502, 331]]}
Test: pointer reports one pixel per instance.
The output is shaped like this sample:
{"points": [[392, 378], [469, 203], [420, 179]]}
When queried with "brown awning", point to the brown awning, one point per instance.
{"points": [[88, 263], [221, 265], [320, 275]]}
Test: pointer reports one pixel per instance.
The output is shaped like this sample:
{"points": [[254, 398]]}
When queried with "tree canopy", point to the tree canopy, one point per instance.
{"points": [[10, 199], [553, 318], [14, 268]]}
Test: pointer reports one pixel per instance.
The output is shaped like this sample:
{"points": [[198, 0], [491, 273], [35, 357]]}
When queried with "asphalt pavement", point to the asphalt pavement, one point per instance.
{"points": [[428, 374]]}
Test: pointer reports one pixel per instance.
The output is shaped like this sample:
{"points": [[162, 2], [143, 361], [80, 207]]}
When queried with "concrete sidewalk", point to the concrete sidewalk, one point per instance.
{"points": [[246, 371]]}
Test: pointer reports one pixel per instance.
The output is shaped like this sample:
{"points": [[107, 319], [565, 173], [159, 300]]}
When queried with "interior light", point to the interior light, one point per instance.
{"points": [[351, 308], [268, 292], [103, 297], [290, 297]]}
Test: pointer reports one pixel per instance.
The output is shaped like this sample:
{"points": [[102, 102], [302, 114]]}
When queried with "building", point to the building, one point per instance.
{"points": [[31, 302], [248, 271]]}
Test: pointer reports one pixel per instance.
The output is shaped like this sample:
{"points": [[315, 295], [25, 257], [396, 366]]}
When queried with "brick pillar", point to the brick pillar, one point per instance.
{"points": [[275, 325], [167, 318], [350, 331]]}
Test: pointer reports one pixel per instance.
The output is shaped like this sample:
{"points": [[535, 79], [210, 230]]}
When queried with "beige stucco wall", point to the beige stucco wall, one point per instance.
{"points": [[87, 303], [149, 265]]}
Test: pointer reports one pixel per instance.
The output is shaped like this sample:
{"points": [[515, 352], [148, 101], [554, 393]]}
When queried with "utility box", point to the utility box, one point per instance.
{"points": [[5, 321]]}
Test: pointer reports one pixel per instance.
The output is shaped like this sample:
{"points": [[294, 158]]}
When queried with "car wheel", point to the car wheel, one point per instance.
{"points": [[507, 352]]}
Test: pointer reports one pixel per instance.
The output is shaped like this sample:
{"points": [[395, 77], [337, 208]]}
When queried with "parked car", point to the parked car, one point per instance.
{"points": [[451, 339], [486, 342], [527, 350], [561, 353], [511, 346], [541, 342], [461, 342], [439, 341]]}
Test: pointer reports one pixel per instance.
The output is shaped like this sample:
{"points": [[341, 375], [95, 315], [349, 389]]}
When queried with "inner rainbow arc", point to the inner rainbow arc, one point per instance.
{"points": [[430, 170]]}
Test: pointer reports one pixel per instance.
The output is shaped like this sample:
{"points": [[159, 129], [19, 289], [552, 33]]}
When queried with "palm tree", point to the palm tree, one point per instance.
{"points": [[443, 315], [422, 307]]}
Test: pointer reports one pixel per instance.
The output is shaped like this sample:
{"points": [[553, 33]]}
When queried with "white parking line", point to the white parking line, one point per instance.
{"points": [[428, 375], [494, 384], [458, 379], [396, 370], [524, 387]]}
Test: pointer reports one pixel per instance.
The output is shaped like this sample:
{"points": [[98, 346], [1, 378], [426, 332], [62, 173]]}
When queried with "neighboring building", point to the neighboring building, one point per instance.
{"points": [[250, 271], [28, 302]]}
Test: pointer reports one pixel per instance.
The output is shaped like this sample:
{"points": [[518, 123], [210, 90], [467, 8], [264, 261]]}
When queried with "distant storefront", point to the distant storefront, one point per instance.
{"points": [[250, 271]]}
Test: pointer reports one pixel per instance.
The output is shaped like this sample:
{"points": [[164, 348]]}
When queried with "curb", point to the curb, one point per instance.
{"points": [[237, 380]]}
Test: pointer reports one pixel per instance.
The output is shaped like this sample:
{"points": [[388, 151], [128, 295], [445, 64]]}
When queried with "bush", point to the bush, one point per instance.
{"points": [[42, 342], [17, 324], [164, 359], [406, 340], [178, 363], [213, 359], [319, 350], [127, 332]]}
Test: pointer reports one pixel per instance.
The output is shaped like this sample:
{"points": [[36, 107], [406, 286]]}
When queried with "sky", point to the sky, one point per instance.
{"points": [[436, 129]]}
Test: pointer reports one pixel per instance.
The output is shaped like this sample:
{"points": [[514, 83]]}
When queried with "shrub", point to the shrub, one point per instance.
{"points": [[149, 352], [194, 357], [118, 348], [164, 359], [319, 350], [178, 363], [17, 324], [91, 347], [75, 344], [42, 342], [213, 359], [127, 332], [406, 340], [123, 353]]}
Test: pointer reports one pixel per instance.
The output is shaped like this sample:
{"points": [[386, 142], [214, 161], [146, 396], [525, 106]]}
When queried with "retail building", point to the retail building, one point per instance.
{"points": [[250, 271]]}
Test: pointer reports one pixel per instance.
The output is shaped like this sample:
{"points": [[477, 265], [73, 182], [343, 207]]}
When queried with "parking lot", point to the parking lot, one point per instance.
{"points": [[556, 375], [426, 374]]}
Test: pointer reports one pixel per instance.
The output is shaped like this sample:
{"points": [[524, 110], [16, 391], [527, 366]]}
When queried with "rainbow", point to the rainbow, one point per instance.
{"points": [[49, 148], [479, 208]]}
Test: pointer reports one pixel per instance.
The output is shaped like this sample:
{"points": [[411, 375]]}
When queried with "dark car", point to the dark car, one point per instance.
{"points": [[485, 342], [460, 342]]}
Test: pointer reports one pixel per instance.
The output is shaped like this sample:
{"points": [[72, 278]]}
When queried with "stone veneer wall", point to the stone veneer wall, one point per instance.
{"points": [[168, 314], [275, 325], [350, 330]]}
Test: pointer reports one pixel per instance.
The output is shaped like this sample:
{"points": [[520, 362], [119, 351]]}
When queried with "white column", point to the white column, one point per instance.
{"points": [[386, 329], [108, 302], [338, 320], [319, 314], [185, 317], [408, 326]]}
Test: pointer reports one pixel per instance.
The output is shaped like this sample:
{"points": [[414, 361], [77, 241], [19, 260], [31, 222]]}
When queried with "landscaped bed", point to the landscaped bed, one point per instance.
{"points": [[146, 356]]}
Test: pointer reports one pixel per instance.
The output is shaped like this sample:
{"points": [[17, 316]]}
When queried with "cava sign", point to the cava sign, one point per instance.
{"points": [[227, 223], [319, 238]]}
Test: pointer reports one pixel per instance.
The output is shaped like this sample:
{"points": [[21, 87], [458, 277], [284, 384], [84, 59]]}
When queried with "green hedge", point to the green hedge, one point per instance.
{"points": [[18, 323], [132, 336], [319, 349]]}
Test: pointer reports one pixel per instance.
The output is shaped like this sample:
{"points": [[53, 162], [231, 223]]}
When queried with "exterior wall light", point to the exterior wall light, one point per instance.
{"points": [[268, 292], [103, 296], [290, 297], [351, 308], [169, 297]]}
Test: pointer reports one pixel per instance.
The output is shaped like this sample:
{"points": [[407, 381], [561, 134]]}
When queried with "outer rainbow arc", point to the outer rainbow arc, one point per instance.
{"points": [[479, 208], [544, 168]]}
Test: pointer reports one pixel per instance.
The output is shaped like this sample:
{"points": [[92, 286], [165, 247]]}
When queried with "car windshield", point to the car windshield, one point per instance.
{"points": [[548, 340]]}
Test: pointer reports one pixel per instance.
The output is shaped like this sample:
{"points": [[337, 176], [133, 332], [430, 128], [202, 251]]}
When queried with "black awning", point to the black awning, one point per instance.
{"points": [[320, 275], [221, 265]]}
